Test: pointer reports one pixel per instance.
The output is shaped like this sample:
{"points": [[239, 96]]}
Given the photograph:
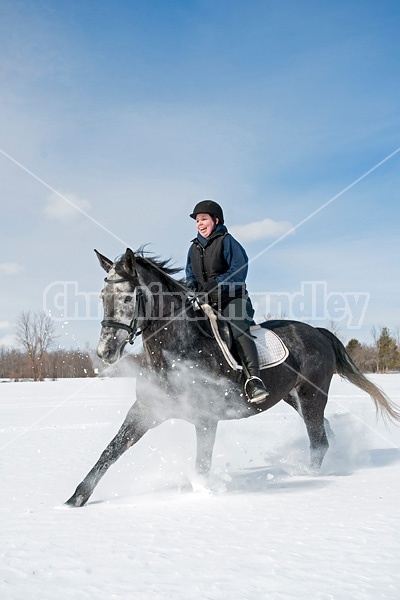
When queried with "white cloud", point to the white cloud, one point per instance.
{"points": [[11, 268], [5, 325], [65, 207], [259, 230]]}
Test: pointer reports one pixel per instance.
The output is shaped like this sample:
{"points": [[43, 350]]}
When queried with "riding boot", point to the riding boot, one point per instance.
{"points": [[253, 387]]}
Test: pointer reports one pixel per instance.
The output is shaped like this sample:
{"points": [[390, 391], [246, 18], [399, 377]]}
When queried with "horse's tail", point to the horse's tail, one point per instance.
{"points": [[346, 368]]}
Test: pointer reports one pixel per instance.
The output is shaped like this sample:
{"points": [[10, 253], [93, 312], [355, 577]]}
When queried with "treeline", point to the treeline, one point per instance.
{"points": [[35, 334], [18, 365], [382, 356]]}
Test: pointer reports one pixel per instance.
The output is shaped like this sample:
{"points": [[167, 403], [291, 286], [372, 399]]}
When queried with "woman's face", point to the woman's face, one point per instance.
{"points": [[205, 224]]}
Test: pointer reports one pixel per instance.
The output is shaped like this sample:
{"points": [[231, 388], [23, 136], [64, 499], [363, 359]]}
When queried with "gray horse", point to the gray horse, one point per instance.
{"points": [[141, 296]]}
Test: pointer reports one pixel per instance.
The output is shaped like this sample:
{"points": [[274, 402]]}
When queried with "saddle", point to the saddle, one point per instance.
{"points": [[271, 349]]}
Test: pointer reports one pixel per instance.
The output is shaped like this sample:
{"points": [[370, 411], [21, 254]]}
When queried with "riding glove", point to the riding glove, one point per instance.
{"points": [[210, 291]]}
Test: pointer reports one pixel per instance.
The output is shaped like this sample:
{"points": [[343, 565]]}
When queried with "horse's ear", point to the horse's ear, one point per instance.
{"points": [[129, 262], [106, 263]]}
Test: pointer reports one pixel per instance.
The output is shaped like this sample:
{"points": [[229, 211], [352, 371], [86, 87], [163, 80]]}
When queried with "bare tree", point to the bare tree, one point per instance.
{"points": [[35, 332], [396, 336], [387, 349], [364, 356], [334, 327], [375, 335]]}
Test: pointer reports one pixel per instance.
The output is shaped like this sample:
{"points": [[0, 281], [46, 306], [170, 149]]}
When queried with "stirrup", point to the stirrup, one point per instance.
{"points": [[260, 395]]}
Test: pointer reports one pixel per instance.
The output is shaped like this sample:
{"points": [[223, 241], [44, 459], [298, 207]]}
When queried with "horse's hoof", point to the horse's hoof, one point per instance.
{"points": [[80, 497], [76, 501], [314, 470]]}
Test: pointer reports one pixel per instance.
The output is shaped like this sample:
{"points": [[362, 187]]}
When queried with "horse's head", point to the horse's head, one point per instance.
{"points": [[124, 302]]}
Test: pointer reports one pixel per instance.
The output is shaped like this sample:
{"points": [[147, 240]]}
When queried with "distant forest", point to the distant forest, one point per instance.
{"points": [[36, 361]]}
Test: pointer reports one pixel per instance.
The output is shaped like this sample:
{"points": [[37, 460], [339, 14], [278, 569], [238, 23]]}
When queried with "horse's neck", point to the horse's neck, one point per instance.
{"points": [[171, 328], [167, 305]]}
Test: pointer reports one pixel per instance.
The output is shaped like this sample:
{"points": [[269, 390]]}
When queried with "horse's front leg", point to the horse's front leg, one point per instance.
{"points": [[133, 428], [205, 433]]}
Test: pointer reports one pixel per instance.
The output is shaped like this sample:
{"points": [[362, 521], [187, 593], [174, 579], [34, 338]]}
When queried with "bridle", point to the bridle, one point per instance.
{"points": [[140, 308]]}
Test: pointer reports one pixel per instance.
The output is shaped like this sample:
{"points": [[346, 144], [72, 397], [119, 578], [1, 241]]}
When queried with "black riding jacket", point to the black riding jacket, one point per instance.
{"points": [[221, 258]]}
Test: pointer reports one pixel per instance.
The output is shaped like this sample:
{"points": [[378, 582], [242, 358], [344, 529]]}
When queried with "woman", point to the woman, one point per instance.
{"points": [[217, 268]]}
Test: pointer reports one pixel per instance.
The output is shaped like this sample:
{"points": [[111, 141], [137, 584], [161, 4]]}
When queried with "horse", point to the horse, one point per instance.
{"points": [[185, 374]]}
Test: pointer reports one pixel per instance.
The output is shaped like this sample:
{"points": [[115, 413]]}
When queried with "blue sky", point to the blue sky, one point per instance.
{"points": [[134, 111]]}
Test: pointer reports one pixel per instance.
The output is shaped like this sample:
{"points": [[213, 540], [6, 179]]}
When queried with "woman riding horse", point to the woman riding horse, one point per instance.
{"points": [[216, 268], [184, 375]]}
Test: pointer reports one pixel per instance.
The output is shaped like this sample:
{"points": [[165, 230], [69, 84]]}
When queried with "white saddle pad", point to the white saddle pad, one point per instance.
{"points": [[271, 350]]}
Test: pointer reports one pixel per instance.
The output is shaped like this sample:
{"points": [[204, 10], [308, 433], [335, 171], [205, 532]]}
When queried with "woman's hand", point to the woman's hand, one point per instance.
{"points": [[210, 291]]}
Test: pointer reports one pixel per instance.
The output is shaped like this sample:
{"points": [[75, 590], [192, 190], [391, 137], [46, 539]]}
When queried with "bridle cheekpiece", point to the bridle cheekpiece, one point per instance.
{"points": [[140, 306]]}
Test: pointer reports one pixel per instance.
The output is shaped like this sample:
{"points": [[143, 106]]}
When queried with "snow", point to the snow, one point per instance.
{"points": [[262, 527]]}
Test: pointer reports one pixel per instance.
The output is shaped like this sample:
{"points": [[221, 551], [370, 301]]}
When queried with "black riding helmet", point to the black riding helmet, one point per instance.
{"points": [[208, 207]]}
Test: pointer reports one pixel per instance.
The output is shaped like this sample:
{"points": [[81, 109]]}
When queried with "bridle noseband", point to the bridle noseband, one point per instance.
{"points": [[139, 305]]}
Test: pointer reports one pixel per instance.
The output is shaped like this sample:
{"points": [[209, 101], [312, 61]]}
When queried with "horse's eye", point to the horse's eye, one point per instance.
{"points": [[128, 299]]}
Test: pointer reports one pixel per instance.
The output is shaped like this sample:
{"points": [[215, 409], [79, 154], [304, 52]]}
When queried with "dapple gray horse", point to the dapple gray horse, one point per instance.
{"points": [[141, 296]]}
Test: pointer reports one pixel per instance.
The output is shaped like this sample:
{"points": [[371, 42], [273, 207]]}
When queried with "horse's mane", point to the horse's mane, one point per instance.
{"points": [[163, 268]]}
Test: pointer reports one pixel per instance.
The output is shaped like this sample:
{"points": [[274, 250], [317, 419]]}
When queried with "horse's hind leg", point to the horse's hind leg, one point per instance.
{"points": [[132, 429], [293, 400], [310, 402]]}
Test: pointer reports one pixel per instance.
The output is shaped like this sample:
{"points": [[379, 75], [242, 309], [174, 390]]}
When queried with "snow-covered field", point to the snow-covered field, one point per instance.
{"points": [[268, 530]]}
